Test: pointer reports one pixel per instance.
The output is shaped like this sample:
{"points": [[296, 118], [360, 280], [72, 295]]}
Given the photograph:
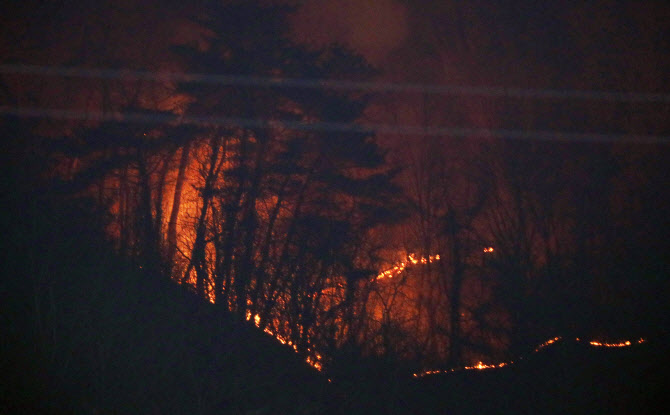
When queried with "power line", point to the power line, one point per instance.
{"points": [[333, 127], [378, 87]]}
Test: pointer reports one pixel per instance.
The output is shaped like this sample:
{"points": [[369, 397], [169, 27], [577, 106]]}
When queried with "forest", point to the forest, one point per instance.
{"points": [[206, 213]]}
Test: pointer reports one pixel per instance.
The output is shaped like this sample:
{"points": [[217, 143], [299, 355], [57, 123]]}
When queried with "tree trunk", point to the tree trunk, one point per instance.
{"points": [[249, 224], [176, 203], [149, 239], [198, 253]]}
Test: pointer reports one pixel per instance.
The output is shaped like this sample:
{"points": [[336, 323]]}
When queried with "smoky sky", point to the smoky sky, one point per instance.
{"points": [[602, 44], [374, 28]]}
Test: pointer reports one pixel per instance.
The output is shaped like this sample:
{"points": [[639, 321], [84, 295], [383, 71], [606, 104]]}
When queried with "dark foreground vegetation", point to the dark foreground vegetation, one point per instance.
{"points": [[567, 378], [85, 331]]}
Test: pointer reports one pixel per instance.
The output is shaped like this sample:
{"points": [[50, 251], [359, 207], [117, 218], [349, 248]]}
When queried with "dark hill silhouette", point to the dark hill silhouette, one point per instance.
{"points": [[567, 377], [85, 331]]}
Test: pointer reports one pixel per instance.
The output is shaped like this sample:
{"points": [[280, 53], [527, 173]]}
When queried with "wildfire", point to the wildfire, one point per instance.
{"points": [[313, 359], [482, 366], [314, 362], [619, 344], [548, 342], [478, 366], [411, 259]]}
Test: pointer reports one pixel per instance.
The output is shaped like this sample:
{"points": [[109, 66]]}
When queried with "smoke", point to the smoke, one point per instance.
{"points": [[373, 28]]}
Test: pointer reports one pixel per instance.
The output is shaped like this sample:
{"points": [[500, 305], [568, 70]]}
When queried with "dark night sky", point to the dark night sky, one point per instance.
{"points": [[503, 41], [605, 45]]}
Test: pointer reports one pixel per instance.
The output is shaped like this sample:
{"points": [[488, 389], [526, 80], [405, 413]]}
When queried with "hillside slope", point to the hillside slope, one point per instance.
{"points": [[85, 331], [565, 378]]}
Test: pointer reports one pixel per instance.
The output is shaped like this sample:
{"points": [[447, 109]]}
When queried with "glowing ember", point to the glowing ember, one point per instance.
{"points": [[548, 342], [314, 363], [482, 366], [314, 359], [411, 259], [619, 344], [478, 366], [488, 249]]}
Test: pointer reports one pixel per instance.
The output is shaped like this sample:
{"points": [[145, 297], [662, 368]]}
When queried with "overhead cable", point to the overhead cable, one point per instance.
{"points": [[342, 85], [331, 127]]}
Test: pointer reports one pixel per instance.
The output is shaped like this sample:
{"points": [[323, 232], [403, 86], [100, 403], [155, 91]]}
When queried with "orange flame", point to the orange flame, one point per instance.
{"points": [[478, 366], [619, 344], [548, 342], [314, 359], [481, 366], [411, 259]]}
